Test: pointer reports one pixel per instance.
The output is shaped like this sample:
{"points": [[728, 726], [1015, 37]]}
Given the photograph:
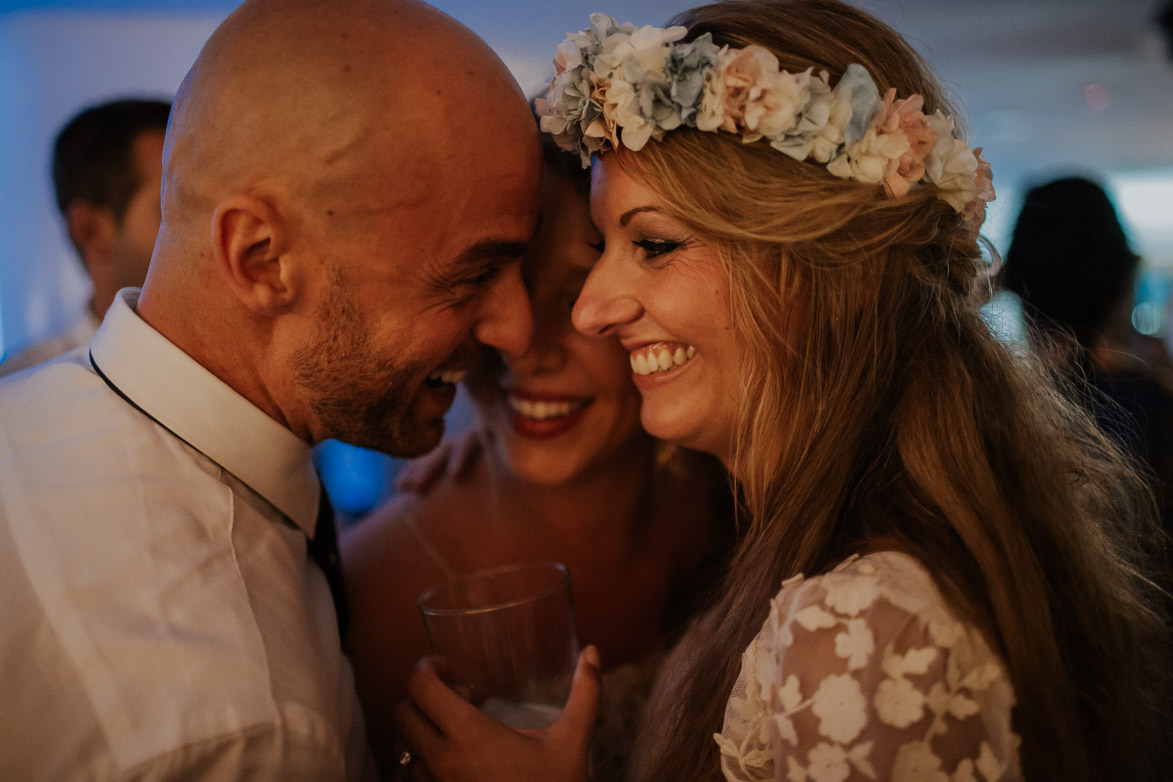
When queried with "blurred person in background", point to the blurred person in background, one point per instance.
{"points": [[107, 171], [1071, 264]]}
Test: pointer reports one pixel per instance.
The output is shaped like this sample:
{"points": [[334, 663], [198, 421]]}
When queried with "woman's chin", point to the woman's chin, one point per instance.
{"points": [[543, 472], [690, 431]]}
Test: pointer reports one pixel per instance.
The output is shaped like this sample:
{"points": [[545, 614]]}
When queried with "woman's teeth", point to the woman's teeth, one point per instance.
{"points": [[453, 376], [544, 411], [659, 358]]}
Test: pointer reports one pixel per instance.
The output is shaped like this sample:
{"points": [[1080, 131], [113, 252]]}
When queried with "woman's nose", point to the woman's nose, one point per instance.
{"points": [[605, 302]]}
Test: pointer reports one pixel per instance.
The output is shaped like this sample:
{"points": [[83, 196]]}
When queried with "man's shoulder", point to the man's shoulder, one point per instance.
{"points": [[124, 536], [58, 383], [18, 370], [37, 354], [60, 419]]}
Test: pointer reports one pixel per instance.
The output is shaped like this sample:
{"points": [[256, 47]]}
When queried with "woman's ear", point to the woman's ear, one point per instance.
{"points": [[250, 241]]}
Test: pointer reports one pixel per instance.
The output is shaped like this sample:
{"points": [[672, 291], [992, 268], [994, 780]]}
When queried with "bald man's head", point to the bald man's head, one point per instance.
{"points": [[309, 96], [361, 165]]}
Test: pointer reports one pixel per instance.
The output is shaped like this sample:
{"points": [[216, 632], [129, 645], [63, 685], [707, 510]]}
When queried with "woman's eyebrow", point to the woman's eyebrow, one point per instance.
{"points": [[625, 218]]}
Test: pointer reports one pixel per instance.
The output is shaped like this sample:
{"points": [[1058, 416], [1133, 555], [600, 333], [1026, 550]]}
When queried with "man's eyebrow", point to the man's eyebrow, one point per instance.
{"points": [[625, 218], [486, 249]]}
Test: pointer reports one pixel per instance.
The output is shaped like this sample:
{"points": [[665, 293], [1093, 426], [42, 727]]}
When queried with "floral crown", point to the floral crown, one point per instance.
{"points": [[625, 84]]}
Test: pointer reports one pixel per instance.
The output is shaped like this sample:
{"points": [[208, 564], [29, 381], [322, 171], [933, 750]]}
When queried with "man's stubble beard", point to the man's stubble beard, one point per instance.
{"points": [[356, 397]]}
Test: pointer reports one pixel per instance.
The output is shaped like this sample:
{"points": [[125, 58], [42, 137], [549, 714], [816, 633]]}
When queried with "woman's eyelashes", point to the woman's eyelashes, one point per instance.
{"points": [[654, 248]]}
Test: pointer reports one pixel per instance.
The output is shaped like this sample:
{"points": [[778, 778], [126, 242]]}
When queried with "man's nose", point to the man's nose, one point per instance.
{"points": [[547, 349], [505, 321]]}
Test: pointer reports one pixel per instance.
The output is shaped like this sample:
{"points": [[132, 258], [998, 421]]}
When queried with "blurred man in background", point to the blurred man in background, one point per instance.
{"points": [[107, 169]]}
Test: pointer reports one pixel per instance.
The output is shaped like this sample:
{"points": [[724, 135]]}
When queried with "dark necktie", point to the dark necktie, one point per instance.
{"points": [[323, 549]]}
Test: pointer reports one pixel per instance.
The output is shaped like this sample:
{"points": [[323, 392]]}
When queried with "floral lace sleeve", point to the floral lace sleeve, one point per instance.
{"points": [[865, 674]]}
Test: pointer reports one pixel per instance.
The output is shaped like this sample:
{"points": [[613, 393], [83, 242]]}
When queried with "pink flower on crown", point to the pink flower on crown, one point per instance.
{"points": [[774, 99], [727, 91], [874, 159], [748, 91], [622, 110], [905, 117], [951, 165], [776, 108], [604, 94], [975, 211]]}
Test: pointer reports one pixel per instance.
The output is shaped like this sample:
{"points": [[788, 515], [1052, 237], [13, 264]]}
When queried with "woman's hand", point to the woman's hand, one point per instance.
{"points": [[457, 743], [453, 458]]}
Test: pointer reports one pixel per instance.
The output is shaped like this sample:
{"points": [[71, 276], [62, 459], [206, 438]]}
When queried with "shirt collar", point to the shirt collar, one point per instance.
{"points": [[205, 412]]}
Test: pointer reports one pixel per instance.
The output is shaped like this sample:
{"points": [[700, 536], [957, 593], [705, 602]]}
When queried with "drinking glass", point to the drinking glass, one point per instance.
{"points": [[509, 639]]}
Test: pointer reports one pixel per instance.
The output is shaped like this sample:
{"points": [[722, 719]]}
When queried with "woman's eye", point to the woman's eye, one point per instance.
{"points": [[656, 247], [598, 246]]}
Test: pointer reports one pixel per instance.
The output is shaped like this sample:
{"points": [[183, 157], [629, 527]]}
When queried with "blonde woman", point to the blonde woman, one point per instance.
{"points": [[935, 581]]}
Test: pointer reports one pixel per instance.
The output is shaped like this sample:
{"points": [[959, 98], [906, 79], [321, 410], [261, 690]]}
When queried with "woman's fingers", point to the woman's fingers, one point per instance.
{"points": [[443, 706], [461, 744], [573, 727], [417, 731]]}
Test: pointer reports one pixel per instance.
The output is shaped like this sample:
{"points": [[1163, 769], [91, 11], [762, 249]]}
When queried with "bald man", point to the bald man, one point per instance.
{"points": [[347, 190]]}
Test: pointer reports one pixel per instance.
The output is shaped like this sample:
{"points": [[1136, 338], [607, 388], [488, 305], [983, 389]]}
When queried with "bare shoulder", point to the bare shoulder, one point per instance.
{"points": [[414, 537], [384, 524]]}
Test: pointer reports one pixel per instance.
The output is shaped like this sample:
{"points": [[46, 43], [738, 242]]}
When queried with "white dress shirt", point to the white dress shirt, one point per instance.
{"points": [[159, 617], [80, 333]]}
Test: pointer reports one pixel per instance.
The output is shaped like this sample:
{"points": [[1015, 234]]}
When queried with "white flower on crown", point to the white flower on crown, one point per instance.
{"points": [[747, 93], [818, 134], [622, 110], [646, 46], [872, 158], [710, 113], [568, 56], [775, 100], [951, 166], [828, 140]]}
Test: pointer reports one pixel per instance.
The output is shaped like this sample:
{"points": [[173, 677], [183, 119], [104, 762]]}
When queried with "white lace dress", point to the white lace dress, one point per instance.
{"points": [[864, 673]]}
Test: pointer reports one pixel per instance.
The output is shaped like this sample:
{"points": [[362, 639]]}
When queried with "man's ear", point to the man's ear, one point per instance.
{"points": [[250, 243], [92, 230]]}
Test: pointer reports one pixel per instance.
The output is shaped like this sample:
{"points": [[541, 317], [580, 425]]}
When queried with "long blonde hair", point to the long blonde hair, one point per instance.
{"points": [[880, 410]]}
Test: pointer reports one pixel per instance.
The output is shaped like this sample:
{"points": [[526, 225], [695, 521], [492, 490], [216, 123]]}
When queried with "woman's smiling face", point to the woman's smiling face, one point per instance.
{"points": [[567, 407], [665, 294]]}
